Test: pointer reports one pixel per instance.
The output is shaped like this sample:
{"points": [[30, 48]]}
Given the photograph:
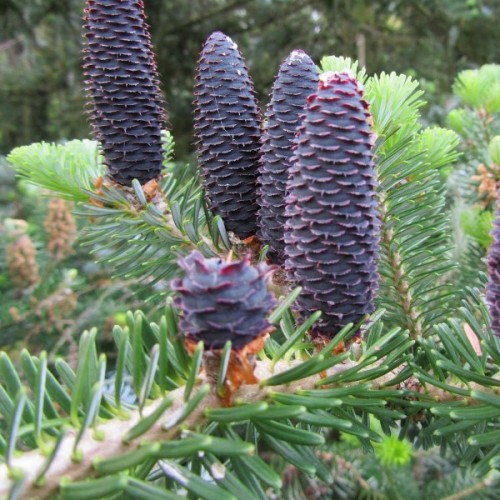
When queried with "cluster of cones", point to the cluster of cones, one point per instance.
{"points": [[304, 183]]}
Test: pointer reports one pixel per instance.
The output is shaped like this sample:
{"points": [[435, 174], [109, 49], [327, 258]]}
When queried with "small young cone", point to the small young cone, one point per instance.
{"points": [[126, 106], [227, 129], [221, 301], [332, 231], [493, 285], [297, 79]]}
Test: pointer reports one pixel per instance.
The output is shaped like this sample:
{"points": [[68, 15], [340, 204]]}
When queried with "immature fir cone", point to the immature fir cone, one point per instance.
{"points": [[331, 236], [221, 301], [493, 286], [122, 80], [227, 128], [21, 262], [61, 228], [296, 80]]}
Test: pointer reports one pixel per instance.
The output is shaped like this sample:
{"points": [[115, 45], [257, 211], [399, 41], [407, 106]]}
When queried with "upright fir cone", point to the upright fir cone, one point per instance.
{"points": [[297, 79], [126, 106], [227, 129], [61, 228], [221, 301], [493, 285], [332, 231]]}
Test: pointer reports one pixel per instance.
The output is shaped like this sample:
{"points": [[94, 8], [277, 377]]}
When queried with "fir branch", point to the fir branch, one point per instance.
{"points": [[481, 485], [69, 169], [138, 230], [415, 239], [141, 230], [112, 438], [398, 277]]}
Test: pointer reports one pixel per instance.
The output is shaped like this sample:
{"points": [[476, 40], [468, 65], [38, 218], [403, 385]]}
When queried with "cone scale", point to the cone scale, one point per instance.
{"points": [[331, 237]]}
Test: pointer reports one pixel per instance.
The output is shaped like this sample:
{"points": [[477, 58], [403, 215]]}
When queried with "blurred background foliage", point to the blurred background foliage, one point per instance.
{"points": [[41, 92], [51, 288]]}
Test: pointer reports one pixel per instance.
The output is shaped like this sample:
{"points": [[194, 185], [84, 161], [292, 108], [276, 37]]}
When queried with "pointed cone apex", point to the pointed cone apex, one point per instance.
{"points": [[227, 128], [221, 301], [297, 79], [332, 231], [493, 285], [126, 106]]}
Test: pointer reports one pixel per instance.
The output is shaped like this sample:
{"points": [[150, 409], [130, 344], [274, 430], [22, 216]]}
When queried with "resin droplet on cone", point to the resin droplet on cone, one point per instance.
{"points": [[332, 232], [296, 80], [126, 105], [227, 128]]}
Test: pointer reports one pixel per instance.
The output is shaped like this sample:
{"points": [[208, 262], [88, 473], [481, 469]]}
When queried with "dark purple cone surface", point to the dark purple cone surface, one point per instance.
{"points": [[296, 80], [227, 129], [493, 285], [126, 105], [221, 301], [332, 232]]}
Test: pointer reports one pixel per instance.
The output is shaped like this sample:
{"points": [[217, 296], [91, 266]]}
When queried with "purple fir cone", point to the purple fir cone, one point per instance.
{"points": [[493, 285], [227, 128], [297, 79], [221, 301], [332, 231], [126, 106]]}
